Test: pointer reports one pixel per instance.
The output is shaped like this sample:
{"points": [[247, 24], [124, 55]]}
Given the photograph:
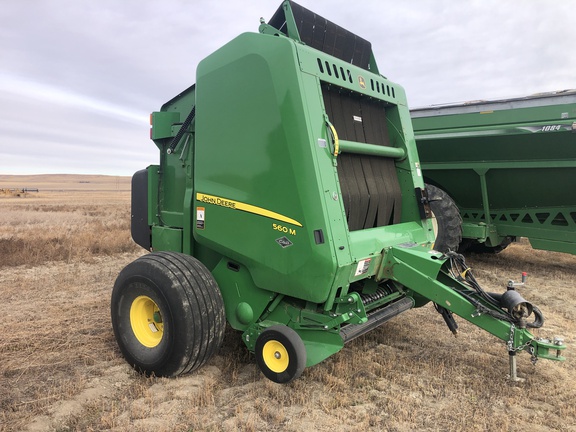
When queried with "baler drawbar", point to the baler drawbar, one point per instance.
{"points": [[289, 203]]}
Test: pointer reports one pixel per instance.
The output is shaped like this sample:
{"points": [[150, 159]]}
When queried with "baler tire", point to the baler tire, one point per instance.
{"points": [[280, 354], [448, 219], [167, 314]]}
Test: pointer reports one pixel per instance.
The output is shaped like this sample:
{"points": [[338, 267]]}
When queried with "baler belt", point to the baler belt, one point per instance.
{"points": [[369, 184], [372, 185], [324, 35], [370, 191]]}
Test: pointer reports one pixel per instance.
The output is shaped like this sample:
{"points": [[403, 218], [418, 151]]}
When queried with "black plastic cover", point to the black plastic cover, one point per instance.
{"points": [[139, 228]]}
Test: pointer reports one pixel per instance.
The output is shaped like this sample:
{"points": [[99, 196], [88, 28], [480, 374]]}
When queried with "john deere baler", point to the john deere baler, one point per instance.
{"points": [[289, 202]]}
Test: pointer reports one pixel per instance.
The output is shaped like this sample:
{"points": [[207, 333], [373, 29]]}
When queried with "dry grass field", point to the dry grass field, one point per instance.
{"points": [[60, 368]]}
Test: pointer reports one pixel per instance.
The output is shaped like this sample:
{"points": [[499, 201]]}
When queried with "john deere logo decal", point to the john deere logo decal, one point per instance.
{"points": [[284, 242], [361, 81]]}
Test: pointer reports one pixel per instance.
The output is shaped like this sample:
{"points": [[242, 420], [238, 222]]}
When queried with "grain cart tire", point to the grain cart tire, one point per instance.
{"points": [[167, 314], [446, 220], [280, 354]]}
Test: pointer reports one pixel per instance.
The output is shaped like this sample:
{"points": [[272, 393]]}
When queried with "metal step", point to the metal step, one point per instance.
{"points": [[375, 319]]}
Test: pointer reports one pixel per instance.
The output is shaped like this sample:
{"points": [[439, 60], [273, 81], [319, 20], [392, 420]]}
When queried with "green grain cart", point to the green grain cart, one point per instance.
{"points": [[507, 166], [288, 202]]}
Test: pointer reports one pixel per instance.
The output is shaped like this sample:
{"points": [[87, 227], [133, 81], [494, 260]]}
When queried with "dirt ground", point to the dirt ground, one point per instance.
{"points": [[61, 370]]}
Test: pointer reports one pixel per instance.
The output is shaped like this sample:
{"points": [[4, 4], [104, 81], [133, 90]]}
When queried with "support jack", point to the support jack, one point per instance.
{"points": [[513, 369]]}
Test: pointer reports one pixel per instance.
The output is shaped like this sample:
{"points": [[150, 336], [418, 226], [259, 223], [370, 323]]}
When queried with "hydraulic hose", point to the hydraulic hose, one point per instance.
{"points": [[335, 140], [461, 272], [538, 318]]}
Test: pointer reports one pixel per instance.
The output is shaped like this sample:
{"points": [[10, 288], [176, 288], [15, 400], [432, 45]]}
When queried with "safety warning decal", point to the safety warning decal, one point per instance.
{"points": [[200, 213], [362, 267]]}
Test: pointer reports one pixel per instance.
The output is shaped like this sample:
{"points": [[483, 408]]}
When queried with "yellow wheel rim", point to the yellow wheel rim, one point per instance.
{"points": [[146, 321], [275, 356]]}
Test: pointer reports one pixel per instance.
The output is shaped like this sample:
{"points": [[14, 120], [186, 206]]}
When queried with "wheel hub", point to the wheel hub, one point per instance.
{"points": [[275, 356], [146, 321]]}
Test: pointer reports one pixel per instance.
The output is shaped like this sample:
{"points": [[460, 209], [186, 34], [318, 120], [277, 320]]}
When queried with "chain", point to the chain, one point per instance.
{"points": [[510, 344]]}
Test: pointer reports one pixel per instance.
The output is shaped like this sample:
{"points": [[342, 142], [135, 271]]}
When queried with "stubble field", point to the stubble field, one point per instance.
{"points": [[60, 368]]}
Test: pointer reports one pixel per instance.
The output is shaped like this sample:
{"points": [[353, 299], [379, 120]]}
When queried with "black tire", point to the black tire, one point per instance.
{"points": [[280, 354], [447, 219], [167, 314]]}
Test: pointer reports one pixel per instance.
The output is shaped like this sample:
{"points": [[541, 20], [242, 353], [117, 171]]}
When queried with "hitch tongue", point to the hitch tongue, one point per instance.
{"points": [[541, 348], [538, 348]]}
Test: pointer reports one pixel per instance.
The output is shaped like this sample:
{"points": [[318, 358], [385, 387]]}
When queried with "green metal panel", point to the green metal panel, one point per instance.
{"points": [[246, 302], [475, 230], [153, 171], [257, 173], [164, 238], [170, 183], [163, 124]]}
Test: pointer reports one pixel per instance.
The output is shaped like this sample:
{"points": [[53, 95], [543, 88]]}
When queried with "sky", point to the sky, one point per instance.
{"points": [[79, 78]]}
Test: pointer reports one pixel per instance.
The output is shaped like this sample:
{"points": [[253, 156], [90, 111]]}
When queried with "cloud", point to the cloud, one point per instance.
{"points": [[79, 78], [447, 51], [40, 93]]}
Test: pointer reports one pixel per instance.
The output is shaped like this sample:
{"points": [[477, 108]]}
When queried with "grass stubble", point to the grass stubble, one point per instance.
{"points": [[61, 370]]}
